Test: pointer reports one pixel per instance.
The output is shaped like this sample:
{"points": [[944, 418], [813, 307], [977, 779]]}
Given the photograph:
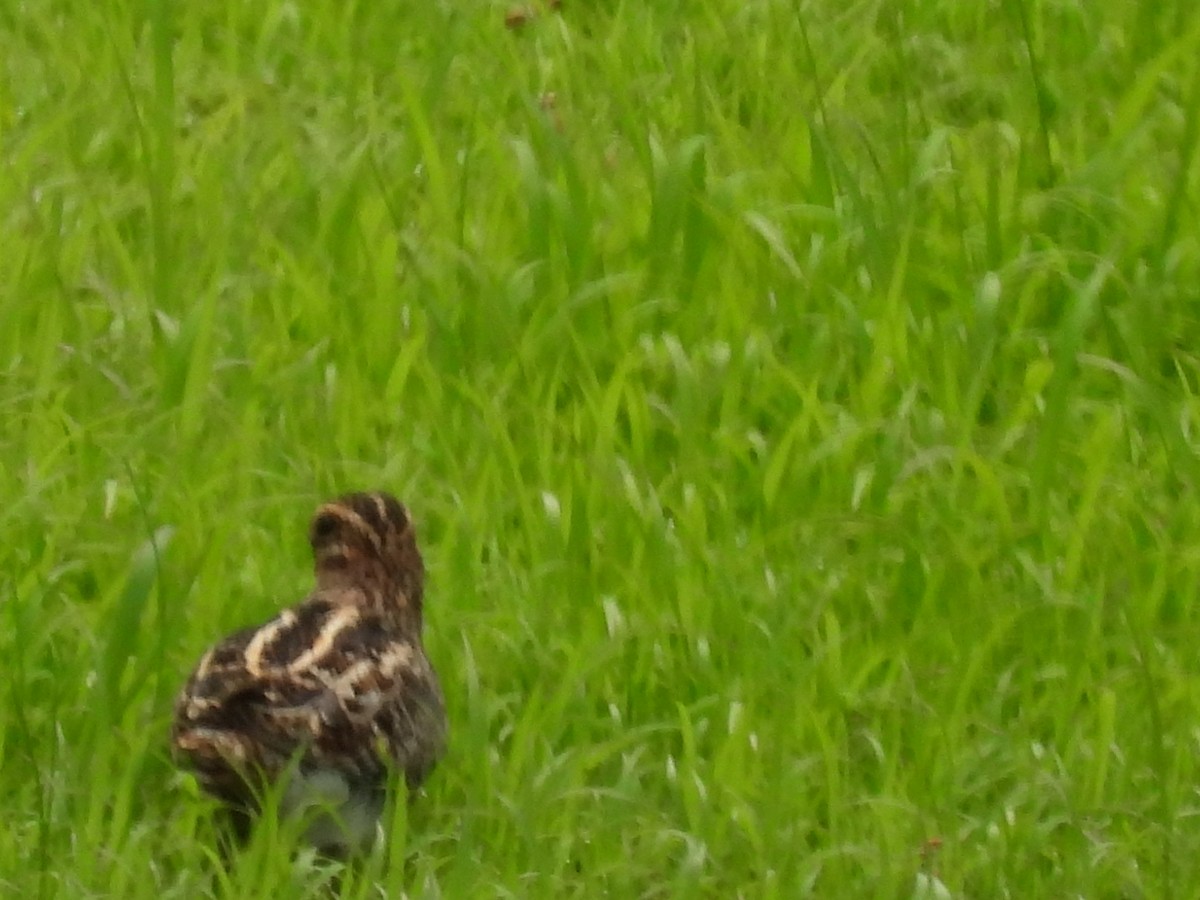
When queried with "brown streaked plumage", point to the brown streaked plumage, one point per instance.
{"points": [[334, 692]]}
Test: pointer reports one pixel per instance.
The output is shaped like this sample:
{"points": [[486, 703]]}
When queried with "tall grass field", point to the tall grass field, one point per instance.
{"points": [[799, 402]]}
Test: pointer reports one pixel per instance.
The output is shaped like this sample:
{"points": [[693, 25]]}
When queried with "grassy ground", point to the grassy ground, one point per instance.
{"points": [[800, 401]]}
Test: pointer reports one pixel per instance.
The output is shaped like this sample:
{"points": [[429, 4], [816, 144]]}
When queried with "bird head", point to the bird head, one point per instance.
{"points": [[369, 535]]}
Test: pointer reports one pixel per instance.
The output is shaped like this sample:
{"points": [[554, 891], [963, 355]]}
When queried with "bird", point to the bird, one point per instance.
{"points": [[325, 700]]}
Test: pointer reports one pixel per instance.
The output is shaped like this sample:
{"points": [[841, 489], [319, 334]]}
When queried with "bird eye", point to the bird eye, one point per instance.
{"points": [[325, 527]]}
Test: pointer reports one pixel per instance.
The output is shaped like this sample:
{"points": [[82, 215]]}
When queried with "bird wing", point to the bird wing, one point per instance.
{"points": [[327, 682]]}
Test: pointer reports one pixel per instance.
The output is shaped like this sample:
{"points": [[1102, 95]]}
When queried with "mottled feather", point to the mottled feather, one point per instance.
{"points": [[338, 686]]}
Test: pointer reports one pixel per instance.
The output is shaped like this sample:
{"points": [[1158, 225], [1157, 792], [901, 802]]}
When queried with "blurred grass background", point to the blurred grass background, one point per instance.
{"points": [[798, 401]]}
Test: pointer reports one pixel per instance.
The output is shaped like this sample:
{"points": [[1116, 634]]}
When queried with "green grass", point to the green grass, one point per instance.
{"points": [[801, 411]]}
